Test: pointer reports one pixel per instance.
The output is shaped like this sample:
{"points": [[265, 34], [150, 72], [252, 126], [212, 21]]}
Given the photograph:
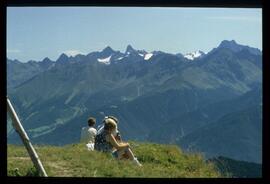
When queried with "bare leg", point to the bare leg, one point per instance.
{"points": [[121, 153], [132, 157], [130, 154], [126, 153]]}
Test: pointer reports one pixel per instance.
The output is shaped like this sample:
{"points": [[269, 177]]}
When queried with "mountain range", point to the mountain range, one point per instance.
{"points": [[208, 102]]}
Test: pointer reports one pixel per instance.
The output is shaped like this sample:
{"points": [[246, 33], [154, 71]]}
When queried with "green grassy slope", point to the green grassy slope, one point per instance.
{"points": [[166, 161]]}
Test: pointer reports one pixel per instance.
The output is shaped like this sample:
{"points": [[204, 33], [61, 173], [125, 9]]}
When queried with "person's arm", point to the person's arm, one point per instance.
{"points": [[115, 144]]}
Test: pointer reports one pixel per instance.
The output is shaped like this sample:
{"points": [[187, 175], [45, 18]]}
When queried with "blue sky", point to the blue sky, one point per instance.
{"points": [[34, 33]]}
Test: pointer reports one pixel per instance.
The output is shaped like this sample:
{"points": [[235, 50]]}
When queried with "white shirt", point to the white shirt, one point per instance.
{"points": [[88, 135]]}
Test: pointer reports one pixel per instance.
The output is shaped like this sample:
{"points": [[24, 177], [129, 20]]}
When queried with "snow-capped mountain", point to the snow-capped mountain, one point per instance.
{"points": [[142, 53], [130, 54], [108, 55], [194, 55]]}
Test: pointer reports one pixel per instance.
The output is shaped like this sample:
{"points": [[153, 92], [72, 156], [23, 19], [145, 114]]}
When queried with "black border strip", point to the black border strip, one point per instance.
{"points": [[3, 92], [265, 95]]}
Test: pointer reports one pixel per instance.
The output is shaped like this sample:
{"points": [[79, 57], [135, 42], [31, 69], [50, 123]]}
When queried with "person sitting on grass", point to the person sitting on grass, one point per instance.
{"points": [[88, 134], [106, 142], [116, 133]]}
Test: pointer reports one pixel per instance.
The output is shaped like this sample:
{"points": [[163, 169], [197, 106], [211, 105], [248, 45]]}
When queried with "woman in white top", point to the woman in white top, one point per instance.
{"points": [[89, 133]]}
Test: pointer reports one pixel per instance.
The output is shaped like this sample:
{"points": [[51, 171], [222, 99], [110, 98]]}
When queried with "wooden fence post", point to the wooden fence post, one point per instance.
{"points": [[25, 139]]}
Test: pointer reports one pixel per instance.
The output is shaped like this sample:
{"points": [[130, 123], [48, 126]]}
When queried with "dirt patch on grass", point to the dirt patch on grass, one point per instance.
{"points": [[19, 158], [59, 169]]}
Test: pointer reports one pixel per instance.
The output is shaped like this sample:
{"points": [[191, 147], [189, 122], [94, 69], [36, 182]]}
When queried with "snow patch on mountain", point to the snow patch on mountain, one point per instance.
{"points": [[194, 55], [120, 58], [148, 56], [106, 61]]}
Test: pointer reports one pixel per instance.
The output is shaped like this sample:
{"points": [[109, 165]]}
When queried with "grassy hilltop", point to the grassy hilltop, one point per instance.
{"points": [[166, 161]]}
